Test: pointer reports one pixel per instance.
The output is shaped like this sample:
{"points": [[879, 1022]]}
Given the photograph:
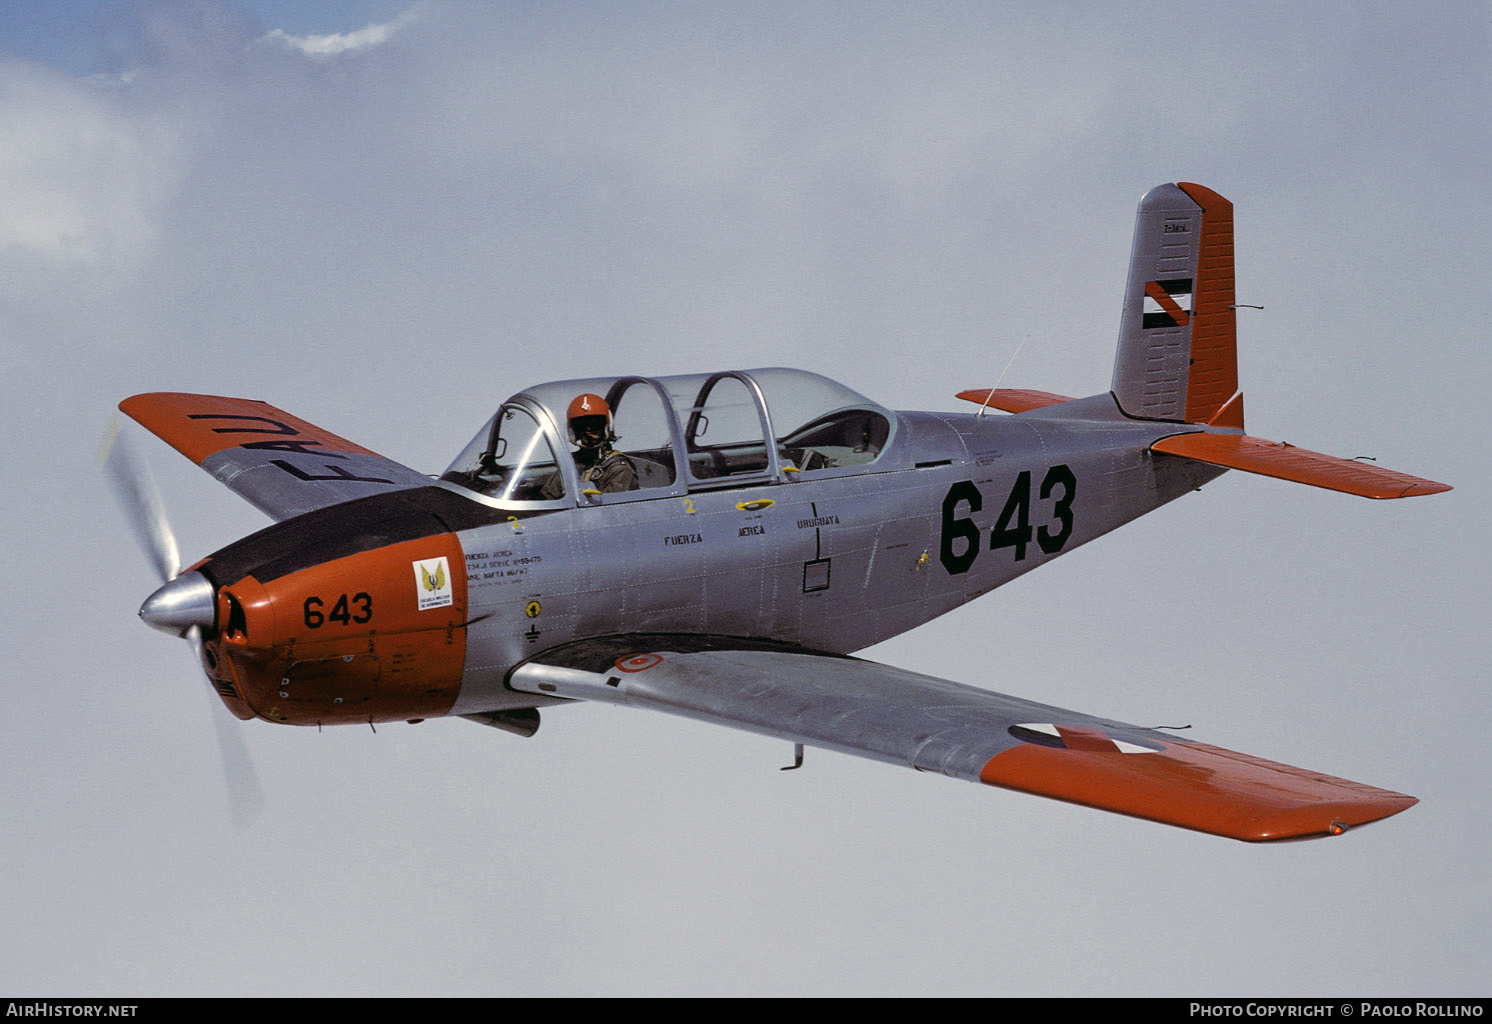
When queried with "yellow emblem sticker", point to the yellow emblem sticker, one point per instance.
{"points": [[433, 583]]}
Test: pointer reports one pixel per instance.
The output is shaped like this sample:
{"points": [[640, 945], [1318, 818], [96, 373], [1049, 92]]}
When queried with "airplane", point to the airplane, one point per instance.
{"points": [[767, 524]]}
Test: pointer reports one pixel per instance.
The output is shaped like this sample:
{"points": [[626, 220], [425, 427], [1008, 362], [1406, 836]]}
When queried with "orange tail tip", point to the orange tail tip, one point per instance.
{"points": [[1212, 378], [1286, 462], [1011, 399], [1177, 356]]}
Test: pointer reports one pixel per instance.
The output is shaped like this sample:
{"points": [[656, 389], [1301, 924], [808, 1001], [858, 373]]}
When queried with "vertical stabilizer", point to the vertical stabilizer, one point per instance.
{"points": [[1177, 357]]}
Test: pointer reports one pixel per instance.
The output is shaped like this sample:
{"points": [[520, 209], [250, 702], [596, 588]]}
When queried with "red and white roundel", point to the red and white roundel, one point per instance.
{"points": [[638, 662]]}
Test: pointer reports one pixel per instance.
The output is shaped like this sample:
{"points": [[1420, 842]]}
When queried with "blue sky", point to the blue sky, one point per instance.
{"points": [[76, 37], [390, 239]]}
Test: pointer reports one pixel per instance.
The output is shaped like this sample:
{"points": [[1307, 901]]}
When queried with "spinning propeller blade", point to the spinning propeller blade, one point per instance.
{"points": [[182, 605], [136, 491]]}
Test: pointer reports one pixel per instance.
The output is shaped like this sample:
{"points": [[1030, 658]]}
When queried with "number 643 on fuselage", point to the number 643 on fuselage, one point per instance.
{"points": [[716, 545]]}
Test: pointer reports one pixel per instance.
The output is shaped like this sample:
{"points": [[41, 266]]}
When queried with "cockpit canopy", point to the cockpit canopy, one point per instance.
{"points": [[673, 435]]}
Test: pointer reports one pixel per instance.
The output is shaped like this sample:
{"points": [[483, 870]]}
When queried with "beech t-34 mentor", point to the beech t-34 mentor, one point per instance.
{"points": [[718, 544]]}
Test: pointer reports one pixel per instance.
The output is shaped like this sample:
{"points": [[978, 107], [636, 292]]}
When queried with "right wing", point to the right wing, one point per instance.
{"points": [[279, 463], [875, 711]]}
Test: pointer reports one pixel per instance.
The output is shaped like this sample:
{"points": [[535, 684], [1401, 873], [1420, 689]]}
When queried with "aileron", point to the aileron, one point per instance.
{"points": [[1199, 787]]}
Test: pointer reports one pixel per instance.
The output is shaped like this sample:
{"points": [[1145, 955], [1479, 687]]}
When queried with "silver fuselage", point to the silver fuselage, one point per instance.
{"points": [[833, 565]]}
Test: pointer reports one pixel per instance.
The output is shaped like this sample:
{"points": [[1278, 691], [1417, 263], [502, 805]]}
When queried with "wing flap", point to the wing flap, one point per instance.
{"points": [[888, 714], [1287, 462], [281, 464]]}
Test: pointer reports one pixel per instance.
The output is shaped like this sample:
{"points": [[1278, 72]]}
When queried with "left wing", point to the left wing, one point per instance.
{"points": [[862, 708], [281, 464]]}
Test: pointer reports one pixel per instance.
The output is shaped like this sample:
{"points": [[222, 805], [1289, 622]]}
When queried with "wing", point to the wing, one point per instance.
{"points": [[860, 707], [281, 464]]}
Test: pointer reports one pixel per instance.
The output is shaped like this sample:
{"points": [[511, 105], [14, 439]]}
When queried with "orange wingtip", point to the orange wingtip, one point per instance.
{"points": [[202, 425], [1195, 786], [1286, 462], [1012, 399]]}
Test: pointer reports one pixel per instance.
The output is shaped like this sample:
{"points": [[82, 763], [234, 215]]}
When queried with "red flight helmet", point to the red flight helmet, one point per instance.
{"points": [[587, 406]]}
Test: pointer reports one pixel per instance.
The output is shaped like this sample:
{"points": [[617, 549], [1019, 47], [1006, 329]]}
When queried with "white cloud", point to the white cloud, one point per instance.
{"points": [[337, 43], [83, 179]]}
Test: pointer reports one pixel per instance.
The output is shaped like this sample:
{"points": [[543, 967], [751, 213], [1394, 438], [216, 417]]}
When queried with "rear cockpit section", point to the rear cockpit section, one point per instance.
{"points": [[846, 437], [670, 436], [822, 427]]}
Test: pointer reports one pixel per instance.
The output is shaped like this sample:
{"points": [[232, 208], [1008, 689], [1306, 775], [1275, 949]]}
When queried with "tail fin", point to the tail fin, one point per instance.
{"points": [[1177, 357], [1178, 353]]}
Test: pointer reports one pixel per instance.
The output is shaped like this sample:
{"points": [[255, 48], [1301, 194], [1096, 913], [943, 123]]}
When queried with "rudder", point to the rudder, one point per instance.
{"points": [[1177, 356]]}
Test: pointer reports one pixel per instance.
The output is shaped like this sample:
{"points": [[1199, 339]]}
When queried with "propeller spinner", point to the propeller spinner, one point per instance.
{"points": [[180, 604]]}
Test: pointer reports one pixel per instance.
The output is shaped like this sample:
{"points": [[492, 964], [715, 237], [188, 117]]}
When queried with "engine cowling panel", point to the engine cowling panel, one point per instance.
{"points": [[377, 636]]}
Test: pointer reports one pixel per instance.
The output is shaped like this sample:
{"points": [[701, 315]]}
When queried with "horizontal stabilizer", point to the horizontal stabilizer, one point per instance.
{"points": [[1012, 399], [1286, 462], [934, 725]]}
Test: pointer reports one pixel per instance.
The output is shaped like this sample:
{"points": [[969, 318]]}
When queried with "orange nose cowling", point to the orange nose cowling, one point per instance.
{"points": [[378, 636]]}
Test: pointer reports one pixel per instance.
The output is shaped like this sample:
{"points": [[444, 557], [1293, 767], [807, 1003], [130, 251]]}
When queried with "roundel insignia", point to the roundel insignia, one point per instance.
{"points": [[638, 662], [532, 609]]}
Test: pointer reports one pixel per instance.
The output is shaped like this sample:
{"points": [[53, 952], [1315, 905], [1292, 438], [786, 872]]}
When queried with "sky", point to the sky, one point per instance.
{"points": [[386, 217]]}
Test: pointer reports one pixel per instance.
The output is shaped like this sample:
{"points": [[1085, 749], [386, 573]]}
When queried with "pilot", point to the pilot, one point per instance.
{"points": [[601, 467]]}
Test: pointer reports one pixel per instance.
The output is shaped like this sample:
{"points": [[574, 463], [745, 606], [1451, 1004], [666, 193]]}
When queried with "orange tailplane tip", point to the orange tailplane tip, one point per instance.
{"points": [[1012, 399], [1298, 465]]}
